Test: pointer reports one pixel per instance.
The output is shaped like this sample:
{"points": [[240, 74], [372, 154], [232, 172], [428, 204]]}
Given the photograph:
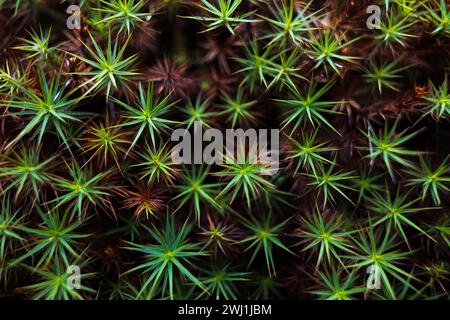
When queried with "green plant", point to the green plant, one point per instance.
{"points": [[438, 101], [149, 114], [237, 110], [125, 13], [105, 141], [218, 235], [387, 145], [439, 19], [157, 165], [308, 108], [384, 75], [25, 171], [220, 283], [256, 66], [290, 26], [110, 69], [222, 14], [198, 111], [306, 152], [12, 77], [81, 188], [286, 72], [366, 184], [394, 210], [11, 224], [194, 190], [330, 182], [57, 239], [433, 182], [265, 287], [395, 29], [37, 46], [325, 237], [411, 8], [243, 174], [376, 248], [55, 283], [264, 237], [441, 230], [336, 286], [326, 50], [48, 107], [172, 253]]}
